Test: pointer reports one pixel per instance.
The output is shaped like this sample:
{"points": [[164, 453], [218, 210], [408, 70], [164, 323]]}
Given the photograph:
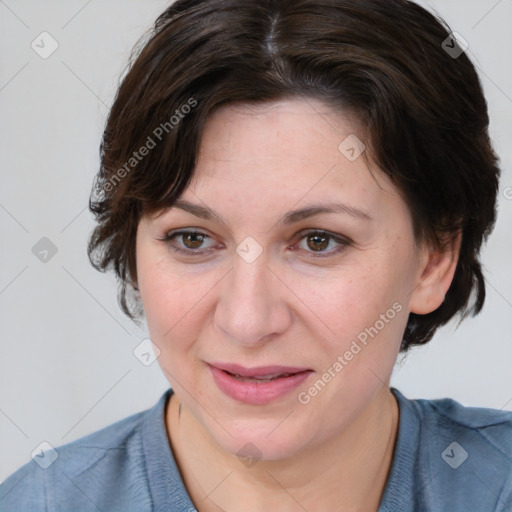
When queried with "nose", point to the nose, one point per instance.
{"points": [[252, 307]]}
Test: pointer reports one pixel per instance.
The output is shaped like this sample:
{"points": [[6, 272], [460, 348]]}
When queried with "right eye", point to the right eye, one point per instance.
{"points": [[187, 242]]}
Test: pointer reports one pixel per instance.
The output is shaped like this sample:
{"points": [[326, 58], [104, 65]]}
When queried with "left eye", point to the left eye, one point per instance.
{"points": [[318, 241]]}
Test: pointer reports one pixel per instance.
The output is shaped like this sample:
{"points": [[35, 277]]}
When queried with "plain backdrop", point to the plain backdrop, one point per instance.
{"points": [[67, 366]]}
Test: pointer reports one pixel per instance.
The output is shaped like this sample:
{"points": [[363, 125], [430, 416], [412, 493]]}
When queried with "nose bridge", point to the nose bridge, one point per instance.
{"points": [[251, 307]]}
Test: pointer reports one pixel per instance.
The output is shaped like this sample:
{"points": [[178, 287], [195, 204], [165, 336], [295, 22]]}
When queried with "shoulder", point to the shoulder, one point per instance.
{"points": [[463, 454], [84, 474], [481, 428]]}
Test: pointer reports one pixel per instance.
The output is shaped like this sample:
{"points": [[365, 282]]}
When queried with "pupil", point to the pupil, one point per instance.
{"points": [[320, 242]]}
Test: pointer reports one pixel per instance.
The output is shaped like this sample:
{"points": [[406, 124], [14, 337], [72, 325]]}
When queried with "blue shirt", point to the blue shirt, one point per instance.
{"points": [[448, 458]]}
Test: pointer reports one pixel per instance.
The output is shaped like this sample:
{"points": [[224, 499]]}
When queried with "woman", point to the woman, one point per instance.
{"points": [[292, 193]]}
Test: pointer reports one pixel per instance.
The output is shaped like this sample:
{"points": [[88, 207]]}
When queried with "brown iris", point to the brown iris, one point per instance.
{"points": [[193, 240], [320, 242]]}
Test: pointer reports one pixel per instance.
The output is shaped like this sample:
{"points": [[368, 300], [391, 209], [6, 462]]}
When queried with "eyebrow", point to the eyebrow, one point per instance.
{"points": [[289, 218]]}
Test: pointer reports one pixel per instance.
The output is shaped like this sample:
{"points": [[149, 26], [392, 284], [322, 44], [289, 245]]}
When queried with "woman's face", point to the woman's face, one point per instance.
{"points": [[263, 292]]}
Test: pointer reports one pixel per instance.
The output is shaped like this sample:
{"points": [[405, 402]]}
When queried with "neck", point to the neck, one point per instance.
{"points": [[347, 473]]}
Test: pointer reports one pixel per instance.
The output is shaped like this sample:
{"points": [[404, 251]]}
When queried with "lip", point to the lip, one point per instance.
{"points": [[257, 393]]}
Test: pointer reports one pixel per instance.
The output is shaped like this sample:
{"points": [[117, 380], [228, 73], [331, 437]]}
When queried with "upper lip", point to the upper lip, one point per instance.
{"points": [[258, 371]]}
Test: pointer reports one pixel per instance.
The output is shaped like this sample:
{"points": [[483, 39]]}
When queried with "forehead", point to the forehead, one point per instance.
{"points": [[285, 152], [277, 130]]}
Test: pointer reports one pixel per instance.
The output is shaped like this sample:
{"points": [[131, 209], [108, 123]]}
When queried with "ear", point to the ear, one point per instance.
{"points": [[435, 275]]}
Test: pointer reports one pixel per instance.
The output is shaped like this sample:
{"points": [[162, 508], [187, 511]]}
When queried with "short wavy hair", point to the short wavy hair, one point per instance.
{"points": [[392, 64]]}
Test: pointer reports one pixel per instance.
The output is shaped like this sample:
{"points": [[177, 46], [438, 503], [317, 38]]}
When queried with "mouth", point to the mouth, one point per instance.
{"points": [[257, 385], [261, 378], [259, 373]]}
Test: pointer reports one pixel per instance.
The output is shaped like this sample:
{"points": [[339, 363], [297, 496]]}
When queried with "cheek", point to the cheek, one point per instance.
{"points": [[345, 302], [356, 322], [357, 340], [174, 302]]}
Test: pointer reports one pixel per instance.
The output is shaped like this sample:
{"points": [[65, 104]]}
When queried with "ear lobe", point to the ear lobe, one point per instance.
{"points": [[436, 274]]}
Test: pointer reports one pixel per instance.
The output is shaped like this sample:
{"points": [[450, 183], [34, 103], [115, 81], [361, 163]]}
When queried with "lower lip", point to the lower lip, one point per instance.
{"points": [[257, 393]]}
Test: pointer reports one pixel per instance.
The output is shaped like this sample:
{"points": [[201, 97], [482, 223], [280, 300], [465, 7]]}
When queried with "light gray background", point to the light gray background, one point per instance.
{"points": [[66, 363]]}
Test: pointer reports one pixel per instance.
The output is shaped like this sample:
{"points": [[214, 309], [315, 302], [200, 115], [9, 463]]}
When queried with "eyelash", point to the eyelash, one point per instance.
{"points": [[342, 241]]}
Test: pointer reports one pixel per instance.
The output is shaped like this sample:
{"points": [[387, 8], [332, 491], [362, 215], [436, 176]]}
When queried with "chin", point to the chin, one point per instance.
{"points": [[267, 441]]}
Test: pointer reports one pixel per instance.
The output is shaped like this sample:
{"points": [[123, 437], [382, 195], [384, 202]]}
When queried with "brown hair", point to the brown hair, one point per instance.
{"points": [[386, 61]]}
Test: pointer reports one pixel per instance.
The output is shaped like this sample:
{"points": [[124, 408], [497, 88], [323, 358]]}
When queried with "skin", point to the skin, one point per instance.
{"points": [[287, 307]]}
